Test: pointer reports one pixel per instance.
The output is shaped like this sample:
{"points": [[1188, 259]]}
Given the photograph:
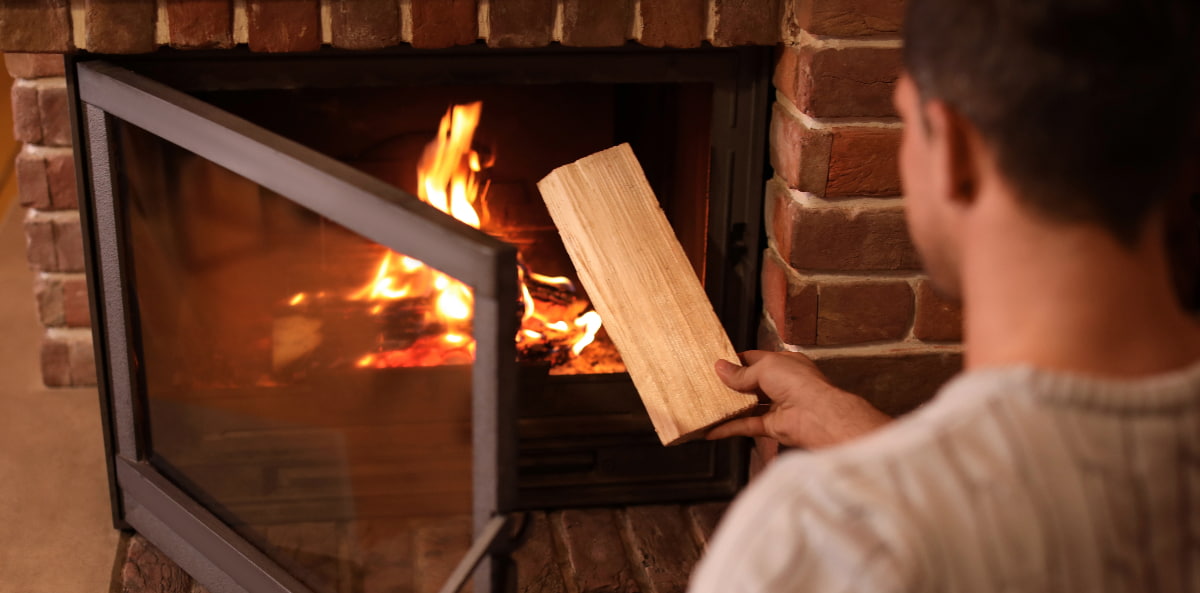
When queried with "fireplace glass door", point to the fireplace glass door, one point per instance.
{"points": [[317, 366]]}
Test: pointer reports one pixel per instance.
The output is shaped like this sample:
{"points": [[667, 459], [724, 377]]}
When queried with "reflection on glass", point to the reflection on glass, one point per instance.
{"points": [[308, 386]]}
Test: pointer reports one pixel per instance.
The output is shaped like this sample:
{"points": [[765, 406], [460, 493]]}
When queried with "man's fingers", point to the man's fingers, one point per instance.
{"points": [[736, 377], [751, 426]]}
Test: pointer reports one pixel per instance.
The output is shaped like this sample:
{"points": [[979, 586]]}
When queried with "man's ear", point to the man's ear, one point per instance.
{"points": [[956, 151]]}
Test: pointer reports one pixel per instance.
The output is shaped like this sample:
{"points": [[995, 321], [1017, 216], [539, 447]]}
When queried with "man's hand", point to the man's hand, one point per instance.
{"points": [[805, 409]]}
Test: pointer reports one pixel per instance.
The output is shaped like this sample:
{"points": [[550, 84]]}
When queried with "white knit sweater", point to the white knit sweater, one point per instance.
{"points": [[1009, 480]]}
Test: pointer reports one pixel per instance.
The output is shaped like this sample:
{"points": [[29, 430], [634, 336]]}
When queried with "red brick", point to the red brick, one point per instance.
{"points": [[937, 319], [857, 311], [673, 23], [83, 360], [536, 567], [520, 23], [365, 24], [841, 238], [438, 550], [31, 181], [33, 65], [800, 155], [27, 117], [767, 338], [119, 26], [853, 82], [283, 25], [595, 552], [55, 117], [863, 162], [147, 570], [894, 382], [62, 300], [56, 363], [40, 245], [596, 23], [845, 18], [76, 310], [746, 22], [35, 26], [60, 174], [791, 304], [48, 291], [196, 24], [705, 518], [444, 23], [656, 545], [68, 245]]}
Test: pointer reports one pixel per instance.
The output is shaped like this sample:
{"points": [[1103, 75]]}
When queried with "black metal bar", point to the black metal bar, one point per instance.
{"points": [[485, 540], [112, 288], [245, 70], [210, 551], [351, 198], [92, 273]]}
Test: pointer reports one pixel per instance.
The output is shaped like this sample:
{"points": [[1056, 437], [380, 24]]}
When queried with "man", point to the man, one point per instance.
{"points": [[1042, 140]]}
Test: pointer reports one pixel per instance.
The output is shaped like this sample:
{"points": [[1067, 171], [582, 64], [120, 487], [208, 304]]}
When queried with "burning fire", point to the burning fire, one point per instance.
{"points": [[449, 177]]}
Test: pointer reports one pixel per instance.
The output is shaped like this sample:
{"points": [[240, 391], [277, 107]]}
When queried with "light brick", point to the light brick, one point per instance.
{"points": [[32, 184], [40, 245], [62, 300], [55, 117], [68, 245], [33, 65], [60, 176], [27, 116], [67, 359]]}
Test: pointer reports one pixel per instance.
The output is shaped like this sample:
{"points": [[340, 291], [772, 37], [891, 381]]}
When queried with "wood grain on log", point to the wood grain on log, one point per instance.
{"points": [[640, 281]]}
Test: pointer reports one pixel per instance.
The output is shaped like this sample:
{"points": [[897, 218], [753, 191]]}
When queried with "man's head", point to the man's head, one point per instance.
{"points": [[1086, 108]]}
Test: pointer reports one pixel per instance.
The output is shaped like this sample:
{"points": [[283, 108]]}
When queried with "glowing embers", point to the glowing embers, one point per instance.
{"points": [[424, 316]]}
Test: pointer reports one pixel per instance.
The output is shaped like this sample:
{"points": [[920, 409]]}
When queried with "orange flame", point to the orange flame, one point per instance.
{"points": [[449, 177]]}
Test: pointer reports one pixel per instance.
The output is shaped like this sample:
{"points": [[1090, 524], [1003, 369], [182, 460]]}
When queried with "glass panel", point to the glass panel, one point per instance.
{"points": [[308, 386]]}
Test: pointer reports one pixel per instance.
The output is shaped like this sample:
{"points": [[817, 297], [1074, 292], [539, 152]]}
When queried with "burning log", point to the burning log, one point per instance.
{"points": [[653, 305]]}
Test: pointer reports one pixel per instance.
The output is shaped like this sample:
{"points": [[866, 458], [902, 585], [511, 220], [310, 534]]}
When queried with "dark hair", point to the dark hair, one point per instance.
{"points": [[1090, 105]]}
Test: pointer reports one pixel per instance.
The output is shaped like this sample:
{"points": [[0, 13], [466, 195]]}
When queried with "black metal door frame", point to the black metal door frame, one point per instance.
{"points": [[143, 497]]}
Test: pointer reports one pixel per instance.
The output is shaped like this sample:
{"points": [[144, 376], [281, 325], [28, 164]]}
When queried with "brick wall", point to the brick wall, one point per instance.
{"points": [[46, 179], [840, 278]]}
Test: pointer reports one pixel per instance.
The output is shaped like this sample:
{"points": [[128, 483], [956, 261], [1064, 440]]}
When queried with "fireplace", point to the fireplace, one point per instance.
{"points": [[326, 301]]}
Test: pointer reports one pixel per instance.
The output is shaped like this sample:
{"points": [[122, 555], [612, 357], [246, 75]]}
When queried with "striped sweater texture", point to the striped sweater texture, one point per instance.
{"points": [[1011, 479]]}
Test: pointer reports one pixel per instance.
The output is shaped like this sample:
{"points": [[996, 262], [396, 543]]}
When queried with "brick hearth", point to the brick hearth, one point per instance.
{"points": [[628, 550]]}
